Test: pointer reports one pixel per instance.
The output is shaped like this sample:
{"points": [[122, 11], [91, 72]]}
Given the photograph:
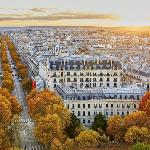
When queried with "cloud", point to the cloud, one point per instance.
{"points": [[59, 16], [41, 10]]}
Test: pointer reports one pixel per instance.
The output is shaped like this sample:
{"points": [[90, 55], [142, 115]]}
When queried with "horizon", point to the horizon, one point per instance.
{"points": [[104, 13]]}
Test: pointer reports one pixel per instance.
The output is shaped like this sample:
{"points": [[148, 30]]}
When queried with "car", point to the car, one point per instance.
{"points": [[1, 74], [20, 79]]}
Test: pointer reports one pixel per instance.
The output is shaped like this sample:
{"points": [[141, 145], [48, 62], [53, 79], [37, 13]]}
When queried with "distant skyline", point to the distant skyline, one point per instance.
{"points": [[74, 13]]}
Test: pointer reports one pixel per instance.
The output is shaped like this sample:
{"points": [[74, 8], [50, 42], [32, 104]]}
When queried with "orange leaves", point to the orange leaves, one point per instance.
{"points": [[16, 107], [136, 134], [41, 101], [48, 128], [50, 116], [5, 114], [145, 103], [88, 138], [115, 127], [139, 118], [9, 111], [118, 126]]}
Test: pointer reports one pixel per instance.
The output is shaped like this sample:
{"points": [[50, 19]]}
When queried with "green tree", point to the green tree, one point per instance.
{"points": [[73, 125], [100, 123]]}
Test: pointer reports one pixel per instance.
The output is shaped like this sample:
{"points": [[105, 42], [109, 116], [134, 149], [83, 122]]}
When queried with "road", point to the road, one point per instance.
{"points": [[28, 140]]}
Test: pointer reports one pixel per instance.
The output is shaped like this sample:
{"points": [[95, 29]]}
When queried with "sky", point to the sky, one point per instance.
{"points": [[75, 12]]}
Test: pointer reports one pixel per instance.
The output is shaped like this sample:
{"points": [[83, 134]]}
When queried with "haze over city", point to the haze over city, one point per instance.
{"points": [[74, 12]]}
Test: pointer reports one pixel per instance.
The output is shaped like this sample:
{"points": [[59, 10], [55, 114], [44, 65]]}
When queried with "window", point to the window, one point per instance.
{"points": [[100, 105], [78, 105], [81, 74], [106, 105], [94, 74], [75, 79], [94, 79], [83, 105], [83, 113], [115, 79], [117, 112], [68, 73], [101, 84], [115, 84], [123, 105], [107, 84], [111, 105], [72, 106], [54, 80], [81, 79], [89, 121], [68, 79], [107, 80], [78, 113], [112, 113], [127, 112], [134, 105], [75, 73], [88, 105], [106, 113], [94, 84], [95, 105], [101, 79], [83, 121], [89, 113], [122, 113]]}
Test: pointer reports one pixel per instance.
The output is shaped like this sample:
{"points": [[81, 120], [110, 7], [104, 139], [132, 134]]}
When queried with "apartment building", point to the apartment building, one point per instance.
{"points": [[82, 71], [85, 104]]}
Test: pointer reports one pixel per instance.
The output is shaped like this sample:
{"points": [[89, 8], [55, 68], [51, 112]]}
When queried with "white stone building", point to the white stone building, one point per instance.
{"points": [[85, 104], [82, 71]]}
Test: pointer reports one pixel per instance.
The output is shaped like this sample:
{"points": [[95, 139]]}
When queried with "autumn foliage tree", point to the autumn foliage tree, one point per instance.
{"points": [[49, 114], [136, 134], [9, 108], [21, 68], [118, 126], [145, 103]]}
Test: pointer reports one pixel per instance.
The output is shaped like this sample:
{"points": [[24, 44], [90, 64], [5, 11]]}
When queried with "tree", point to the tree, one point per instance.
{"points": [[26, 84], [43, 103], [71, 129], [87, 138], [99, 123], [23, 73], [48, 128], [16, 107], [139, 118], [116, 128], [9, 112], [8, 84], [50, 116], [145, 103], [136, 134]]}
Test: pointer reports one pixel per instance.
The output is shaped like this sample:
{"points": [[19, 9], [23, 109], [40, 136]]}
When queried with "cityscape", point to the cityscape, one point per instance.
{"points": [[74, 75]]}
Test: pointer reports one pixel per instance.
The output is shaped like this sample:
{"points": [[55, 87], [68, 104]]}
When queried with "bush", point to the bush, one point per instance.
{"points": [[141, 146]]}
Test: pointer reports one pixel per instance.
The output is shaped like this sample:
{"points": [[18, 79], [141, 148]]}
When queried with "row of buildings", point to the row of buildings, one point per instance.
{"points": [[94, 71]]}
